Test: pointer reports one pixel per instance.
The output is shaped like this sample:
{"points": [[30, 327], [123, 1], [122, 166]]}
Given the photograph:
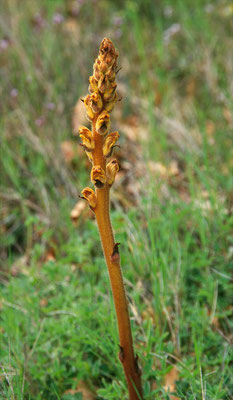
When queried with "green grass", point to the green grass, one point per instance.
{"points": [[57, 321]]}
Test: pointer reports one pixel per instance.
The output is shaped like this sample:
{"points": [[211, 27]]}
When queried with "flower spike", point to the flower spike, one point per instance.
{"points": [[98, 145]]}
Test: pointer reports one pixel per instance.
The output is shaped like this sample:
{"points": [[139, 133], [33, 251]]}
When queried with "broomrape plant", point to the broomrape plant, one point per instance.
{"points": [[98, 145]]}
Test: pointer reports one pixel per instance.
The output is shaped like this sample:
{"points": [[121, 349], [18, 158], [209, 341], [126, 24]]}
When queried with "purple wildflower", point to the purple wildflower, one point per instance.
{"points": [[50, 106], [40, 121], [58, 18], [4, 43], [14, 92]]}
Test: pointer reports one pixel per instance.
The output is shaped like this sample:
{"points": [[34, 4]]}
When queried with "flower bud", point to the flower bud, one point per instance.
{"points": [[96, 102], [111, 103], [89, 195], [111, 170], [103, 67], [99, 69], [111, 75], [109, 142], [103, 123], [104, 84], [97, 73], [87, 138], [109, 93], [108, 52], [98, 176], [93, 84]]}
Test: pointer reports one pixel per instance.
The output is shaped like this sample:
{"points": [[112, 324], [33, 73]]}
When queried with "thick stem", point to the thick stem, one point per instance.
{"points": [[126, 355]]}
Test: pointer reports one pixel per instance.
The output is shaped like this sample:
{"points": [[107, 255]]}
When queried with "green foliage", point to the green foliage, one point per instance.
{"points": [[57, 323]]}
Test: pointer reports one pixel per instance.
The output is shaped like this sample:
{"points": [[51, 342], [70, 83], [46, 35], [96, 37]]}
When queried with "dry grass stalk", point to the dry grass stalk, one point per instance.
{"points": [[98, 145]]}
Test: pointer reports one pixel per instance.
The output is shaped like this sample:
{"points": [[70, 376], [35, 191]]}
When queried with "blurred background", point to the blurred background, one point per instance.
{"points": [[171, 202]]}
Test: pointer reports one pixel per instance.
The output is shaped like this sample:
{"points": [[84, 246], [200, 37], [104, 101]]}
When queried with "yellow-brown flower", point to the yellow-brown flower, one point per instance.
{"points": [[87, 102], [109, 143], [98, 176], [96, 102], [110, 93], [111, 170], [111, 103], [103, 123], [87, 138], [104, 85], [89, 195]]}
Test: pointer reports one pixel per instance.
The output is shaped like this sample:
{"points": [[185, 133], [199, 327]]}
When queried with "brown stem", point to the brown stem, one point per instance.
{"points": [[126, 354]]}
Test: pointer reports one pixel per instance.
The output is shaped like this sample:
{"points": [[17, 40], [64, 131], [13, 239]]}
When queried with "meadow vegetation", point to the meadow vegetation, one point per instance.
{"points": [[171, 201]]}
